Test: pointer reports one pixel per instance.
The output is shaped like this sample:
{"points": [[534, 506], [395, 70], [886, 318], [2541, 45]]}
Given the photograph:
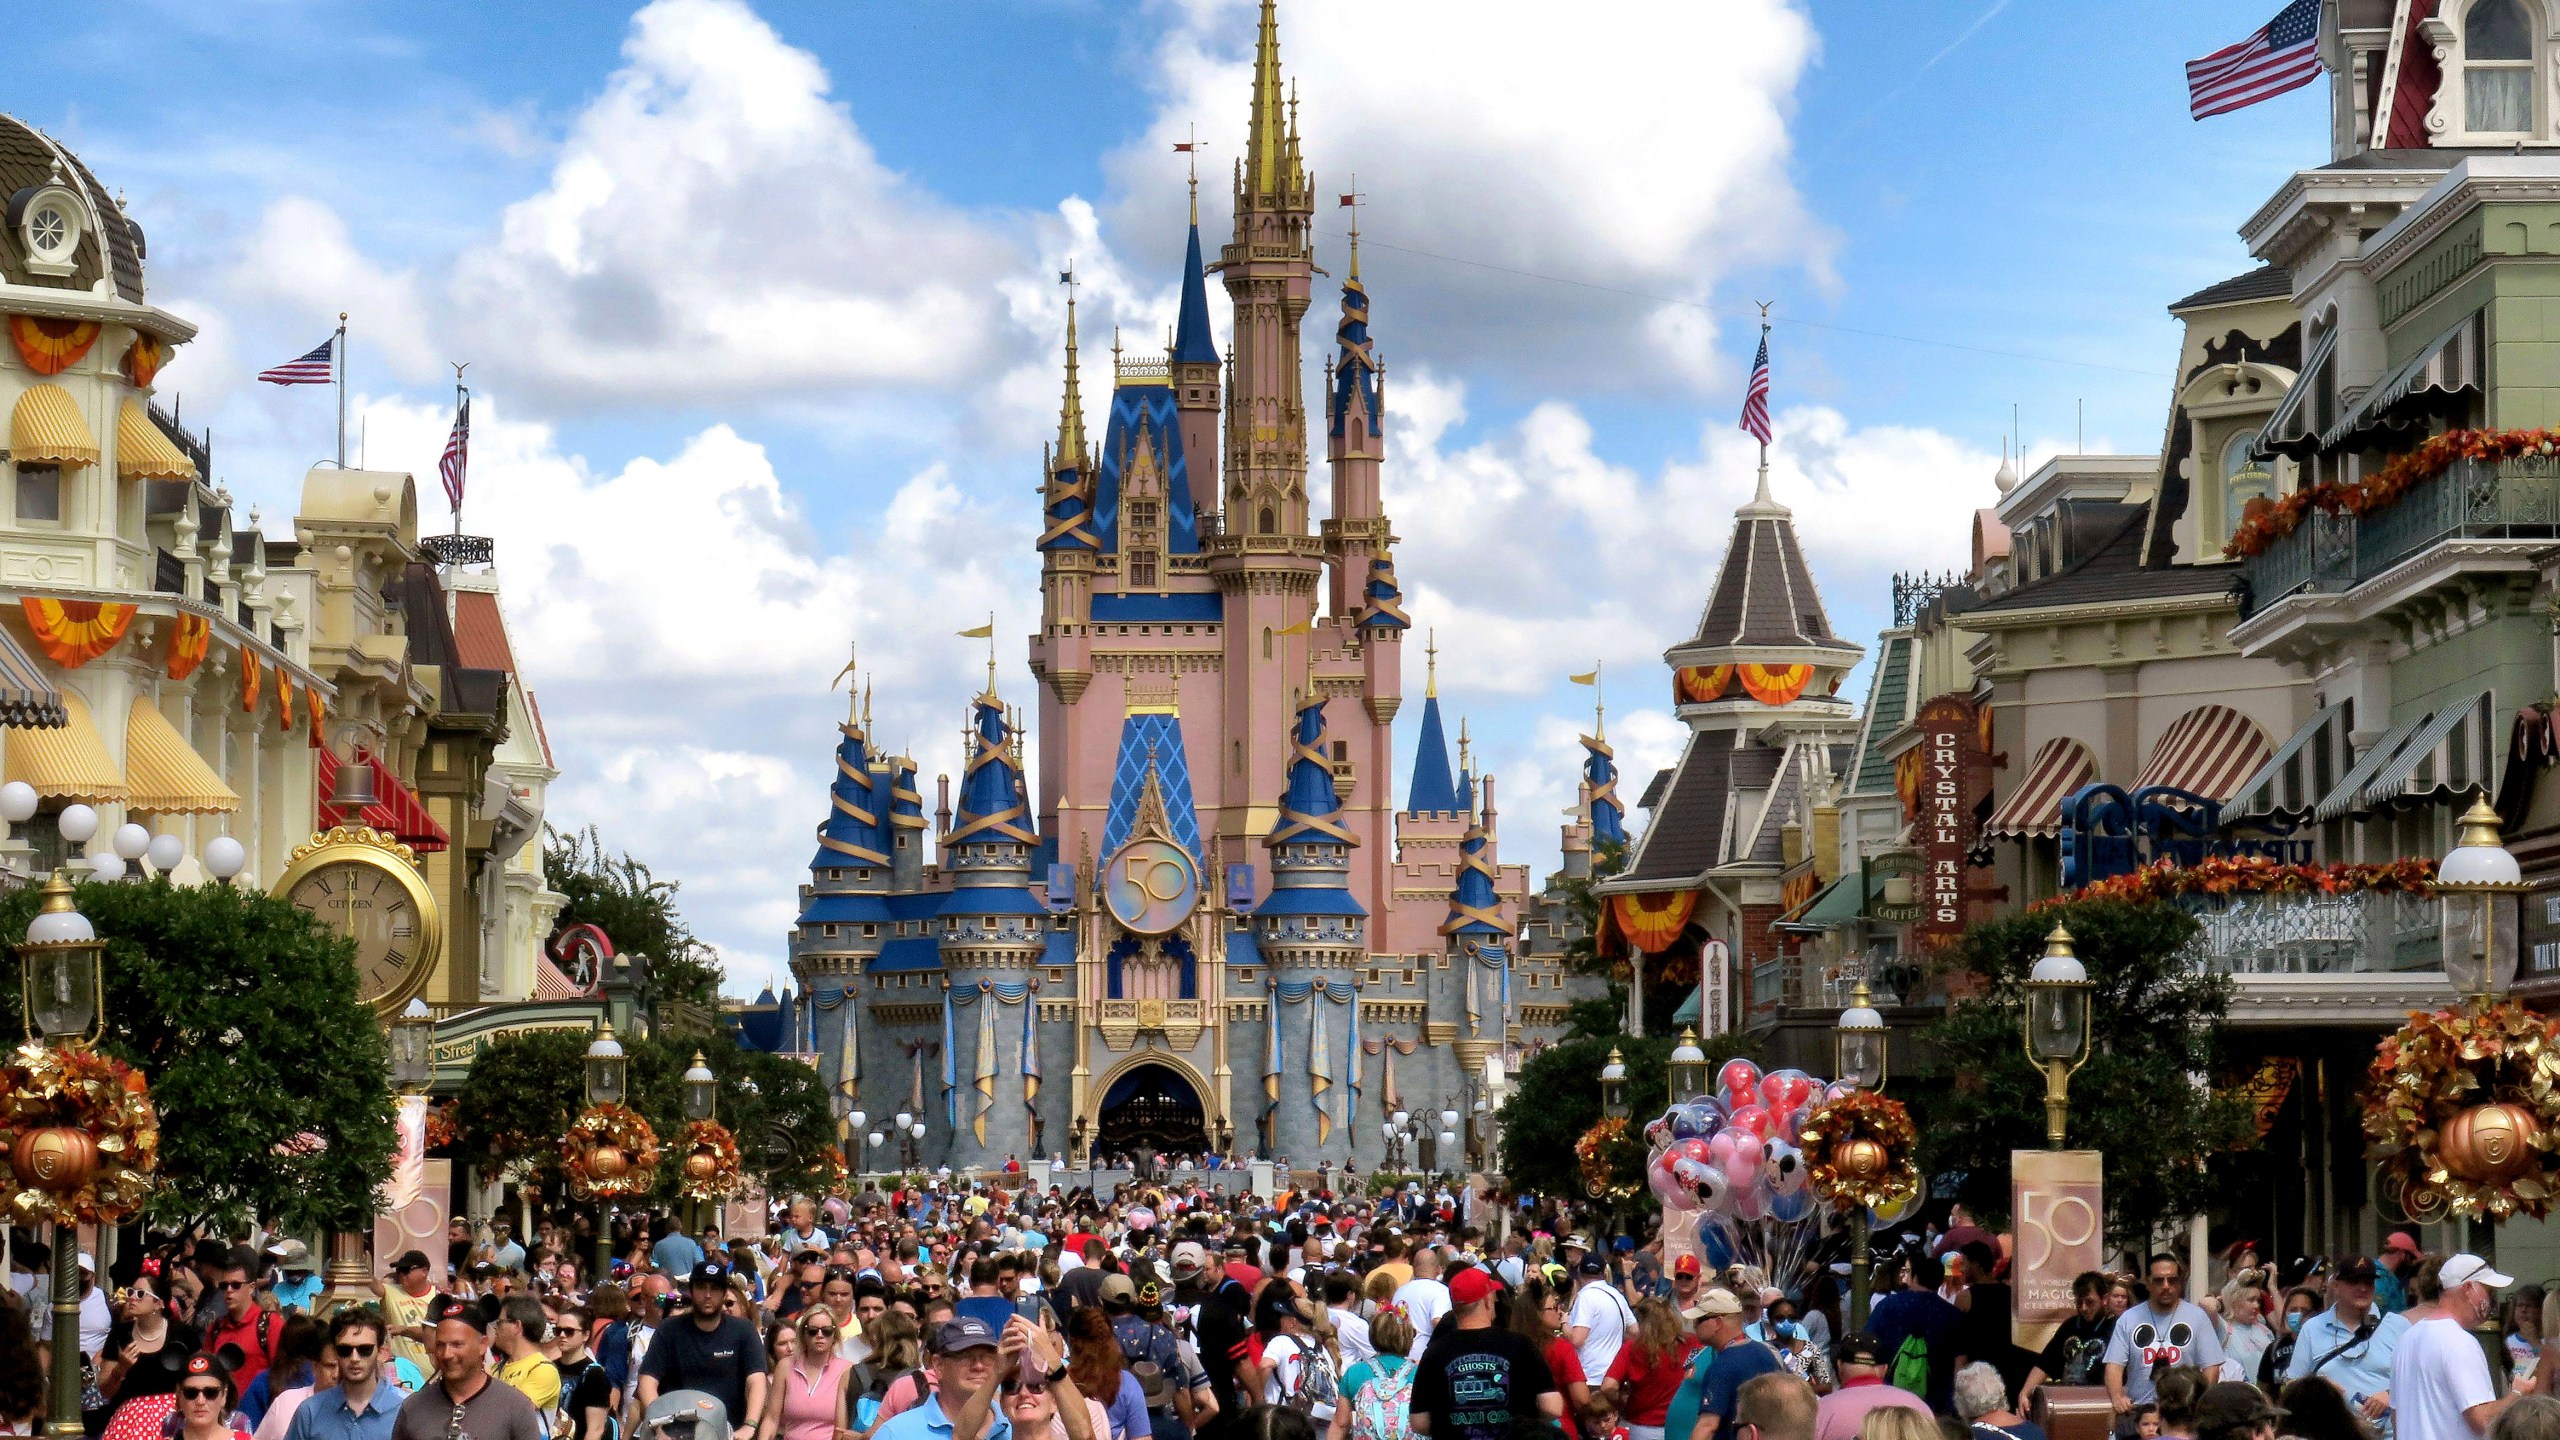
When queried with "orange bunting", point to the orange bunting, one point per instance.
{"points": [[143, 359], [1907, 768], [74, 632], [188, 645], [1776, 684], [1698, 684], [319, 716], [50, 347], [251, 672], [1652, 922], [284, 699]]}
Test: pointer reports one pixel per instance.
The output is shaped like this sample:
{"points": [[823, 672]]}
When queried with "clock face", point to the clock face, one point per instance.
{"points": [[371, 904]]}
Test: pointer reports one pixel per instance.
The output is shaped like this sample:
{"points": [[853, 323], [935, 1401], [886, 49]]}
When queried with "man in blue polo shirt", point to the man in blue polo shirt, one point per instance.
{"points": [[2351, 1343], [362, 1405], [964, 1357]]}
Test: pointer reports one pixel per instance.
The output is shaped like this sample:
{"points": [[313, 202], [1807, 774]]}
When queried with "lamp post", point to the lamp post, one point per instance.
{"points": [[1613, 1085], [701, 1102], [910, 1130], [2479, 868], [856, 1123], [1399, 1131], [2057, 1026], [1688, 1069], [62, 988], [607, 1073], [1857, 1059]]}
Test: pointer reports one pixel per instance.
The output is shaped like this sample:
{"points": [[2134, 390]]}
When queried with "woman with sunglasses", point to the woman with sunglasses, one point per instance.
{"points": [[205, 1397], [1040, 1398], [806, 1399], [147, 1346]]}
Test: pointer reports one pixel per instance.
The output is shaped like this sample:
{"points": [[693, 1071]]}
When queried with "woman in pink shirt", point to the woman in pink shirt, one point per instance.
{"points": [[808, 1383]]}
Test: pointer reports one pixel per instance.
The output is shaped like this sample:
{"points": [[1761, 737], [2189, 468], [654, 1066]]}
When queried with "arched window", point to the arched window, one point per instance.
{"points": [[1266, 642], [1264, 523], [2497, 68], [2243, 480]]}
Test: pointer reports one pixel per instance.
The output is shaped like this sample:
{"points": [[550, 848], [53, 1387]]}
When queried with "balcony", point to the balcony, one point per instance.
{"points": [[2361, 958], [2472, 500]]}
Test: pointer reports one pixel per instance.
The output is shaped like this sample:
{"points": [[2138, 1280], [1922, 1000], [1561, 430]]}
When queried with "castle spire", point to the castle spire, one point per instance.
{"points": [[1432, 792], [1267, 158], [1191, 342], [1070, 454]]}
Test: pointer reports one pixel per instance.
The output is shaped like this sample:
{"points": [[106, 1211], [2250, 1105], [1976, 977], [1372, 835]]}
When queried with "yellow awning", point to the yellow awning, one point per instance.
{"points": [[66, 764], [46, 426], [163, 773], [143, 452]]}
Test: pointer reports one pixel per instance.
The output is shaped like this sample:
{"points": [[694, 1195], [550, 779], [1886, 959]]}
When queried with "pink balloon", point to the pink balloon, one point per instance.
{"points": [[1755, 1119], [1740, 1079]]}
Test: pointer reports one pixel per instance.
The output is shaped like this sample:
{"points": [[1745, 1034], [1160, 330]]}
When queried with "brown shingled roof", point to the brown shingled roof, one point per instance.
{"points": [[480, 632]]}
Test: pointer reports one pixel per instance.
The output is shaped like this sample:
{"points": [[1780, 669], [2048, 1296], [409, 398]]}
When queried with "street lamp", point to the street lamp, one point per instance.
{"points": [[701, 1090], [855, 1124], [1688, 1067], [2057, 1026], [2479, 865], [1613, 1085], [605, 1067], [1857, 1042], [412, 1064], [59, 982]]}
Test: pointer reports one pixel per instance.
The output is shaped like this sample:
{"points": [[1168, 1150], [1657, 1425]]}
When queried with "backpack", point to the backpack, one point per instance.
{"points": [[1384, 1409], [1315, 1386], [1911, 1365]]}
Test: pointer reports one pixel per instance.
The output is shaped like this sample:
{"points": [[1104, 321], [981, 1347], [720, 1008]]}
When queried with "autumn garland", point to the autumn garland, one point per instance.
{"points": [[2437, 1066], [2255, 875], [621, 1127], [1862, 1115], [1606, 1151], [723, 1176], [2397, 477], [98, 1095]]}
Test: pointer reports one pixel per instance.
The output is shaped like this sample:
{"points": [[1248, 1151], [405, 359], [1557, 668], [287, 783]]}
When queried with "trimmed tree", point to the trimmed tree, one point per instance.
{"points": [[2154, 1024], [618, 895], [1556, 1097], [271, 1076]]}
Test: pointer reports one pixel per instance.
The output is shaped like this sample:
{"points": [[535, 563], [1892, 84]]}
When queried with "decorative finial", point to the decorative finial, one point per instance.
{"points": [[853, 692], [1431, 663], [1070, 453], [1351, 201], [1191, 147]]}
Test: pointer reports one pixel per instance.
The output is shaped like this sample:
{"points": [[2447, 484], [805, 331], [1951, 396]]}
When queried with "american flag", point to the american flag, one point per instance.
{"points": [[312, 368], [2283, 55], [1755, 400], [457, 453]]}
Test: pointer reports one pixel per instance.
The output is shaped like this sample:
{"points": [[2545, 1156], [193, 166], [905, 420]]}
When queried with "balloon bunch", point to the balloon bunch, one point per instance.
{"points": [[1729, 1163]]}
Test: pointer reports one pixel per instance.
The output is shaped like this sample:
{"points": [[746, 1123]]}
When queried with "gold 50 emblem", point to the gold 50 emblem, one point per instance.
{"points": [[1152, 886]]}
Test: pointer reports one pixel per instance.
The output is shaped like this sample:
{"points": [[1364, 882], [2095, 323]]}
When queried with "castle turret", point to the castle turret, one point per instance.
{"points": [[844, 910], [1433, 791], [1069, 539], [993, 931], [1311, 925], [1356, 532]]}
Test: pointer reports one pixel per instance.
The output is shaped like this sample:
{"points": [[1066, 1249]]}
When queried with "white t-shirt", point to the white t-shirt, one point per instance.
{"points": [[1424, 1302], [1599, 1307], [2437, 1373], [1351, 1336], [1282, 1359]]}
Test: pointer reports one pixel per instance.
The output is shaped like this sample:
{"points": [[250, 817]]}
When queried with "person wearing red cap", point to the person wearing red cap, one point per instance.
{"points": [[1476, 1381], [2398, 1260], [1687, 1277]]}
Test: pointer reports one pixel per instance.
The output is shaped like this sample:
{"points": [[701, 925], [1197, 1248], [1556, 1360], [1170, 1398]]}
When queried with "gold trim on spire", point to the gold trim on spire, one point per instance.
{"points": [[1070, 453], [1431, 664], [1269, 163]]}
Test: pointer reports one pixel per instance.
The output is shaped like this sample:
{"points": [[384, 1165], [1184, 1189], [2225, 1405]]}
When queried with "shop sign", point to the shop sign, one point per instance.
{"points": [[1953, 776]]}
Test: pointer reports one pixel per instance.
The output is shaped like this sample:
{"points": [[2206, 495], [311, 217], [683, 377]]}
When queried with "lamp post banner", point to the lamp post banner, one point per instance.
{"points": [[409, 1162], [2058, 1201]]}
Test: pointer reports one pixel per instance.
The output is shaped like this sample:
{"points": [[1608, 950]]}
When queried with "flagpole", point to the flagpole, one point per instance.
{"points": [[339, 356], [1763, 497], [461, 397]]}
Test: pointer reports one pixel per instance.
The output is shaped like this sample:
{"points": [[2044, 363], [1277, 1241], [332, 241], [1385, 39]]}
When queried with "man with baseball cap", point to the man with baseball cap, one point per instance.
{"points": [[963, 1359], [1474, 1382], [1860, 1361], [1728, 1360], [711, 1351], [2350, 1344], [1222, 1328], [2398, 1261], [2440, 1384]]}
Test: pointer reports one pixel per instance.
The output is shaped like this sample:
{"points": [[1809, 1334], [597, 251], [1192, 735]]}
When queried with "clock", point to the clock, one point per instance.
{"points": [[364, 884]]}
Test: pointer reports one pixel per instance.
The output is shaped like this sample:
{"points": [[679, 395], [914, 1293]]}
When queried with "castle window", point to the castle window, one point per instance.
{"points": [[40, 495], [902, 842], [1265, 523], [870, 932], [2497, 68], [1142, 569], [1266, 642], [828, 931], [861, 874]]}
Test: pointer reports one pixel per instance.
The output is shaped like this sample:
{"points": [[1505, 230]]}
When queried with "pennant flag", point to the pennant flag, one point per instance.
{"points": [[980, 632], [1303, 627], [314, 367], [1591, 677]]}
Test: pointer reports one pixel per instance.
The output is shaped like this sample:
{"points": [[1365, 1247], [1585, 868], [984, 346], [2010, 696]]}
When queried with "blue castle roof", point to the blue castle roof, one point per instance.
{"points": [[1384, 596], [1432, 790], [1600, 768], [1141, 735], [992, 802], [1191, 342], [1145, 412], [1355, 368], [853, 833], [1308, 806], [1474, 908], [906, 803]]}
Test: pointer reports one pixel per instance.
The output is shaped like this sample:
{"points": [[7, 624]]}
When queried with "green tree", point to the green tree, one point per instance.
{"points": [[618, 895], [242, 1012], [1582, 953], [2154, 1024], [518, 1098], [1556, 1097]]}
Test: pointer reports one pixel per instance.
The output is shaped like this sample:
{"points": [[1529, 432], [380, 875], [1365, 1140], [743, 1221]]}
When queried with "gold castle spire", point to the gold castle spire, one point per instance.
{"points": [[1270, 161], [1431, 664], [1070, 454]]}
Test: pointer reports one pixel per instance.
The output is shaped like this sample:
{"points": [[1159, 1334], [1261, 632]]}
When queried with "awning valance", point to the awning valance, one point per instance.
{"points": [[2307, 408], [2301, 771], [163, 774], [68, 763], [396, 809], [27, 698], [2449, 365], [46, 428], [2451, 753], [143, 452], [2208, 751], [2061, 766]]}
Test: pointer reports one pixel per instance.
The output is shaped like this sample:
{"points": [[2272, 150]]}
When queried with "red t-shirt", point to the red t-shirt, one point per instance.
{"points": [[1074, 1244], [1649, 1385], [254, 1357], [1565, 1364]]}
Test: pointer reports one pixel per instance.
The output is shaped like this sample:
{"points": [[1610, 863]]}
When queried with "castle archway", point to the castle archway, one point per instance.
{"points": [[1152, 1106]]}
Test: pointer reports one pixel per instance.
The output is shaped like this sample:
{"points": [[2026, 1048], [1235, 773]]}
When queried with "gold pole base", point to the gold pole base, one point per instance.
{"points": [[349, 1272]]}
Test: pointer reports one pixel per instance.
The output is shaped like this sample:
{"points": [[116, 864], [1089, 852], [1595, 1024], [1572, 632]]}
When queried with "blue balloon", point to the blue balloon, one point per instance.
{"points": [[1790, 1208], [1694, 1121], [1717, 1239]]}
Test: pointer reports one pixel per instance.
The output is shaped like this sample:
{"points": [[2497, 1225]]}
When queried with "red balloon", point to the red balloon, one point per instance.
{"points": [[1753, 1118], [1785, 1090], [1740, 1079]]}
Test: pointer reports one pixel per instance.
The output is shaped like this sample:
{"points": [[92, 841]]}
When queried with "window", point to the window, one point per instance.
{"points": [[1266, 642], [40, 492], [1142, 569], [1265, 523], [2243, 480], [870, 932], [1239, 763], [2497, 68]]}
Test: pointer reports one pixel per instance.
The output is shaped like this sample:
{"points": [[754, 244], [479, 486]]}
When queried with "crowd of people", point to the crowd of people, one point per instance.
{"points": [[982, 1311]]}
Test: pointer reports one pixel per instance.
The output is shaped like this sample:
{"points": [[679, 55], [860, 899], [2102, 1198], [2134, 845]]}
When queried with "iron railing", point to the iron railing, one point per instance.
{"points": [[2515, 499], [2355, 934]]}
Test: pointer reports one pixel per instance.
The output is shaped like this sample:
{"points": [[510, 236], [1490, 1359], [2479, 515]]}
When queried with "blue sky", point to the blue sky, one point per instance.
{"points": [[758, 307]]}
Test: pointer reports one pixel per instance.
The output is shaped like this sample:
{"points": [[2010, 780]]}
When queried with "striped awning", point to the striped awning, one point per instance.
{"points": [[2208, 751], [163, 774], [67, 763], [2061, 766], [2449, 365], [2308, 406], [46, 428], [27, 699], [143, 452], [2305, 766], [2450, 752], [396, 809]]}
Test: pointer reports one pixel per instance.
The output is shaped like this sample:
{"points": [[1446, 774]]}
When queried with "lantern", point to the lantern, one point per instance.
{"points": [[701, 1090], [60, 975], [412, 1063], [1857, 1042], [1613, 1086], [1688, 1068], [2057, 1025], [605, 1066]]}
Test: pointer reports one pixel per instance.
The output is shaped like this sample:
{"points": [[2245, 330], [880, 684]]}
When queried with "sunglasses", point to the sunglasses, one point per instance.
{"points": [[1025, 1387], [235, 1284], [360, 1352], [821, 1331], [199, 1392]]}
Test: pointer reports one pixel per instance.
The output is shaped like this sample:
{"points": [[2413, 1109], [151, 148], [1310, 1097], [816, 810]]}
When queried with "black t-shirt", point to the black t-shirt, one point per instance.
{"points": [[716, 1362], [156, 1373], [584, 1386], [1078, 1289], [1986, 1330], [1224, 1336], [2075, 1354], [1475, 1383]]}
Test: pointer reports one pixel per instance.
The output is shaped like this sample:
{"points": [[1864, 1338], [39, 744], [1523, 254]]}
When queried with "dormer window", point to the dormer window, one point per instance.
{"points": [[2497, 68], [50, 221]]}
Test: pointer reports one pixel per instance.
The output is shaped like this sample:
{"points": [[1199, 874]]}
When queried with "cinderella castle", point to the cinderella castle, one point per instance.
{"points": [[1215, 929]]}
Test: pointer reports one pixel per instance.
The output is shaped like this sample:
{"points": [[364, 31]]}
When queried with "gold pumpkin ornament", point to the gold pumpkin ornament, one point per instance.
{"points": [[2486, 1144], [1858, 1159], [609, 1163], [57, 1159]]}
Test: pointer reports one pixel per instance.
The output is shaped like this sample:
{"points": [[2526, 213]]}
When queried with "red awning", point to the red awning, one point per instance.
{"points": [[396, 808]]}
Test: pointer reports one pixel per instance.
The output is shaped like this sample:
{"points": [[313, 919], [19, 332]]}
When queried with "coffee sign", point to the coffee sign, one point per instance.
{"points": [[1952, 775]]}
